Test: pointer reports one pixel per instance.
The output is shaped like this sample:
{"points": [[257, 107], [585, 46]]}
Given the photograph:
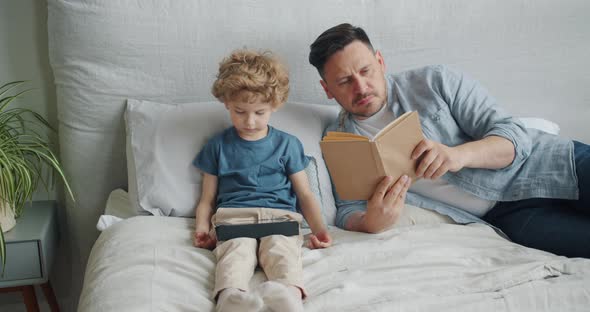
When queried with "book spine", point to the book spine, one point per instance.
{"points": [[377, 159]]}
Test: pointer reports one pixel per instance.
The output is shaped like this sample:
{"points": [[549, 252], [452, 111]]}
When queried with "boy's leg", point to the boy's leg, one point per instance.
{"points": [[236, 262], [236, 258], [280, 258]]}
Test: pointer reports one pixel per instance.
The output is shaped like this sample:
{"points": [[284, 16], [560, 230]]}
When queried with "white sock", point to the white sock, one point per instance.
{"points": [[233, 299], [280, 298]]}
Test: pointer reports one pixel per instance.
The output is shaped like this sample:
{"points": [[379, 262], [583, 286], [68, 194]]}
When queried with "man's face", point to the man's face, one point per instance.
{"points": [[354, 77]]}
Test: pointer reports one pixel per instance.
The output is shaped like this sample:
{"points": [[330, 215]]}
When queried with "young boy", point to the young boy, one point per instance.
{"points": [[254, 173]]}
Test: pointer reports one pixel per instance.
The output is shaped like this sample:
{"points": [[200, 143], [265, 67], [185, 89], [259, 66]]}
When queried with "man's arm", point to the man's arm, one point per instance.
{"points": [[436, 159], [492, 152], [386, 204], [377, 214], [480, 116], [498, 139]]}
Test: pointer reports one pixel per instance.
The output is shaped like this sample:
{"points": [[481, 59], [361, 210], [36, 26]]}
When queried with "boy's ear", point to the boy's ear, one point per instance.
{"points": [[325, 86], [226, 105]]}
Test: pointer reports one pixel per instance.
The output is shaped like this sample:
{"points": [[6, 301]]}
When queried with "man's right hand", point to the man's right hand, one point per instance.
{"points": [[384, 207]]}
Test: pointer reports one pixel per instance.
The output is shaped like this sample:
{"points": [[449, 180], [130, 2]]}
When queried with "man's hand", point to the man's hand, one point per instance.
{"points": [[204, 240], [320, 240], [436, 159], [386, 204]]}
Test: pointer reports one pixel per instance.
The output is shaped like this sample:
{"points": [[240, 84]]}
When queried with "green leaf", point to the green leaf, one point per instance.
{"points": [[27, 161], [2, 251]]}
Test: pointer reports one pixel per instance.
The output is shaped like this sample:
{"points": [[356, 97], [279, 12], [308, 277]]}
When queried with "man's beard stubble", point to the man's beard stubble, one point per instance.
{"points": [[369, 115]]}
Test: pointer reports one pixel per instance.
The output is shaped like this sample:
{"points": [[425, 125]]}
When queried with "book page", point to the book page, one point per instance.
{"points": [[357, 164], [353, 167], [396, 144], [340, 136], [343, 138], [393, 124]]}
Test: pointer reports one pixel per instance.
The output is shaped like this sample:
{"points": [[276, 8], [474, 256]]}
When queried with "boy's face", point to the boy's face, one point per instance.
{"points": [[250, 118]]}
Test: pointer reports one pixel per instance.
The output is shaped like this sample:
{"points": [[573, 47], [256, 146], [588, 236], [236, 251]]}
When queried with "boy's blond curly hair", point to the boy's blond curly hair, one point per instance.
{"points": [[249, 76]]}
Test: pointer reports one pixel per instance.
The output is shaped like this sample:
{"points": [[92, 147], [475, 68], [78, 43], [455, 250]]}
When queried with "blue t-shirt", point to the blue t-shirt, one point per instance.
{"points": [[253, 173]]}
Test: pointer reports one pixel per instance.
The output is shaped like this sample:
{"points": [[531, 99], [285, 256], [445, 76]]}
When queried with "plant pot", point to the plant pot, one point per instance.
{"points": [[7, 220]]}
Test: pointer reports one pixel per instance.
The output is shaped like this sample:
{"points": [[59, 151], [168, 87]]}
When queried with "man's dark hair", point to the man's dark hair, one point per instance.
{"points": [[334, 40]]}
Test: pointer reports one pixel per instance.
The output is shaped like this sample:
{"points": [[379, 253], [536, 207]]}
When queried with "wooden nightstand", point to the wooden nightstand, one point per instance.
{"points": [[30, 250]]}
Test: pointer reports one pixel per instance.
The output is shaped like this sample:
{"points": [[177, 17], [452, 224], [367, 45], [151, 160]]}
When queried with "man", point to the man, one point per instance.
{"points": [[476, 162]]}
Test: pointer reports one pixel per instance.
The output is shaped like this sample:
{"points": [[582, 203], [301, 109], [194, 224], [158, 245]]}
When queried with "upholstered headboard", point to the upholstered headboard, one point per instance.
{"points": [[532, 55]]}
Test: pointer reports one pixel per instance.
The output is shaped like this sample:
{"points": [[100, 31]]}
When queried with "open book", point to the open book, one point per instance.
{"points": [[357, 164]]}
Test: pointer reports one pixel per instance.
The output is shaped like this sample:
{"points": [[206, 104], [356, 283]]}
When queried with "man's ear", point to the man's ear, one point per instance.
{"points": [[325, 86], [380, 60]]}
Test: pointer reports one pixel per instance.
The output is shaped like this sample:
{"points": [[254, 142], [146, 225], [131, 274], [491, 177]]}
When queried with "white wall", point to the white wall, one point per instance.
{"points": [[24, 56]]}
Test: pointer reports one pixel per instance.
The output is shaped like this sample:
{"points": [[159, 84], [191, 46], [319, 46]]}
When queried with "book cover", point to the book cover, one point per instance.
{"points": [[357, 164]]}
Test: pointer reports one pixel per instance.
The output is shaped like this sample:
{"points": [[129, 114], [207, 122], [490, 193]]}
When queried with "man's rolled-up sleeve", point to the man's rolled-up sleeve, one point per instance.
{"points": [[478, 113], [345, 208]]}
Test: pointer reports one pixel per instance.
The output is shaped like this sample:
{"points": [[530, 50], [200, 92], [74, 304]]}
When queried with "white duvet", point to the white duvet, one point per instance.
{"points": [[149, 264]]}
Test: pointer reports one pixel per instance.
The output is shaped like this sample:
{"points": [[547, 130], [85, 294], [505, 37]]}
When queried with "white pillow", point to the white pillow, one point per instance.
{"points": [[412, 215], [163, 139], [118, 205], [117, 209], [540, 124]]}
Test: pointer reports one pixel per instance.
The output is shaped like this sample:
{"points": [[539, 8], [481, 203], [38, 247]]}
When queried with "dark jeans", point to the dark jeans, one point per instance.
{"points": [[558, 226]]}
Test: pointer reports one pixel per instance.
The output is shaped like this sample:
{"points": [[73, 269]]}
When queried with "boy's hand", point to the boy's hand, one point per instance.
{"points": [[320, 240], [204, 240]]}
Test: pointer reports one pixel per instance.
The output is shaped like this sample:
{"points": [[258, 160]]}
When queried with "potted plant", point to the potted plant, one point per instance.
{"points": [[26, 159]]}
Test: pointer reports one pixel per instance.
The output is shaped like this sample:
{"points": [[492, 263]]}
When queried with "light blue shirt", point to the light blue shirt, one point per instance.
{"points": [[454, 110], [253, 173]]}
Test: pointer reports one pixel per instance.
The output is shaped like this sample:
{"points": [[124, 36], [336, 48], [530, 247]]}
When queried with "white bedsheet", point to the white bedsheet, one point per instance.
{"points": [[148, 264]]}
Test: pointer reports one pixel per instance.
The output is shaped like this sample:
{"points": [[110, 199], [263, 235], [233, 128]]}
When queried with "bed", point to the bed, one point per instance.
{"points": [[132, 82], [425, 267]]}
